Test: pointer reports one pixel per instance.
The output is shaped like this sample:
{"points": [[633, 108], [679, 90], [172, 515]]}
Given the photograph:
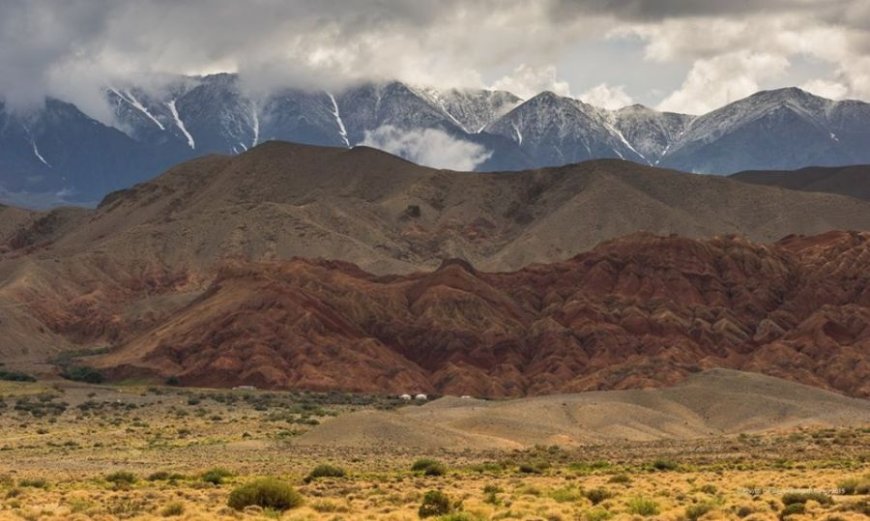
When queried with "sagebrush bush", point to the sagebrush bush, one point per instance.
{"points": [[121, 477], [435, 503], [265, 493], [642, 506], [160, 475], [598, 514], [83, 374], [597, 495], [803, 497], [325, 471], [853, 486], [172, 509], [216, 476], [621, 479], [15, 376], [460, 516], [664, 465], [793, 508], [565, 495], [709, 489], [429, 467], [693, 512], [33, 483], [528, 468]]}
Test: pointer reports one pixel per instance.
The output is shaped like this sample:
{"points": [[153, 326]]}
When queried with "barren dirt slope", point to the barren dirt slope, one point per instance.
{"points": [[711, 403]]}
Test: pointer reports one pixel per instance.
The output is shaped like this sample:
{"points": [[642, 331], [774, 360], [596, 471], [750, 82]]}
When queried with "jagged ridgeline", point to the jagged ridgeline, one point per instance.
{"points": [[59, 153]]}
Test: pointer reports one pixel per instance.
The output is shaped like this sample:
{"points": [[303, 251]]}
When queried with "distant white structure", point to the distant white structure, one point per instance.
{"points": [[405, 397], [465, 397], [421, 397], [244, 388]]}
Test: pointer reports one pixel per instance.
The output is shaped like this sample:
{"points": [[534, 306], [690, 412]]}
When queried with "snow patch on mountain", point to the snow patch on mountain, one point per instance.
{"points": [[255, 124], [128, 97], [342, 131], [180, 124], [38, 155]]}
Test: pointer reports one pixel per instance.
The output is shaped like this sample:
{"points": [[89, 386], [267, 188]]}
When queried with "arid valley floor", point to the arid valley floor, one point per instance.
{"points": [[77, 451]]}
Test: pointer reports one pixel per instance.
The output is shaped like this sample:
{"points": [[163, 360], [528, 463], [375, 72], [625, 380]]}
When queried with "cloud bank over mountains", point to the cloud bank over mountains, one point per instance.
{"points": [[428, 147], [690, 56]]}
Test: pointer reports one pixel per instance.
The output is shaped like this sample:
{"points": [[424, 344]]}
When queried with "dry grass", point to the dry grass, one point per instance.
{"points": [[75, 465]]}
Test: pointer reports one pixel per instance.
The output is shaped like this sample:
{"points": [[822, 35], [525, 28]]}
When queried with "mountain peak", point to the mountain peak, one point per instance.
{"points": [[61, 150], [548, 96], [786, 94]]}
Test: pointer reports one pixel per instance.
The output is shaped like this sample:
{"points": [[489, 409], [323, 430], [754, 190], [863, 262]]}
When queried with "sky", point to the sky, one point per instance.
{"points": [[676, 55]]}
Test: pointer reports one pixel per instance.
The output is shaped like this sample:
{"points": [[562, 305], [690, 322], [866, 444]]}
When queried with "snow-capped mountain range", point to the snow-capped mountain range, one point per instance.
{"points": [[61, 153]]}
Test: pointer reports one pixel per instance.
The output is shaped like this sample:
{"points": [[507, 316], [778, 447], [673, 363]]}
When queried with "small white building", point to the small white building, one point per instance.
{"points": [[406, 397], [421, 397]]}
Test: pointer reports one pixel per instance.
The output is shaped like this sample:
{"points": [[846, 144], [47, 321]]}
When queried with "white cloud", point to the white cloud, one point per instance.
{"points": [[856, 74], [722, 79], [68, 48], [428, 147], [826, 88], [606, 96], [527, 81], [833, 36]]}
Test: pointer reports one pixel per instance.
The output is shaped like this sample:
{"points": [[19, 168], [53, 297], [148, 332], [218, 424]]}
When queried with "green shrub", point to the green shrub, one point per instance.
{"points": [[491, 493], [325, 471], [565, 495], [33, 483], [793, 508], [862, 507], [83, 374], [429, 467], [421, 464], [160, 475], [459, 516], [172, 509], [621, 479], [528, 468], [328, 507], [598, 514], [121, 477], [597, 495], [853, 486], [265, 493], [709, 489], [803, 497], [663, 465], [693, 512], [216, 476], [163, 475], [848, 486], [435, 503], [15, 376], [642, 506], [744, 511]]}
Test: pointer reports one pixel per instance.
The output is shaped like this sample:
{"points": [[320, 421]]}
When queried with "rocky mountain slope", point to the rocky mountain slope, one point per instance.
{"points": [[61, 154], [851, 181], [200, 260], [387, 215], [635, 312]]}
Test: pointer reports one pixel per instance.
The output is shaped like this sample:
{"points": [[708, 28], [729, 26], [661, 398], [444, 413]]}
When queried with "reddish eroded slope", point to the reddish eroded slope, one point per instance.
{"points": [[634, 312]]}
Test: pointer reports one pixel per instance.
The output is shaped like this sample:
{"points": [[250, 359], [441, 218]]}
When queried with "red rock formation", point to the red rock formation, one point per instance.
{"points": [[634, 312]]}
